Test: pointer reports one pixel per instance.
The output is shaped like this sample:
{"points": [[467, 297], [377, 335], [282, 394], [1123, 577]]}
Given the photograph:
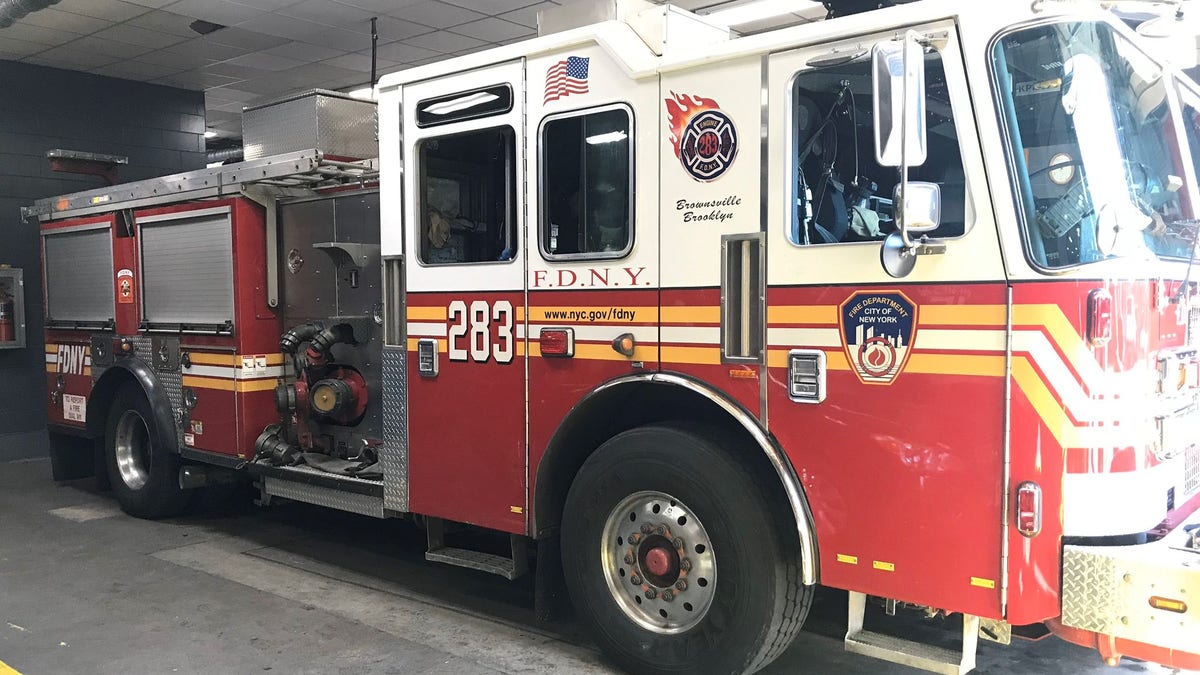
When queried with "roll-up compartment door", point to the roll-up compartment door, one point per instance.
{"points": [[187, 268], [79, 274]]}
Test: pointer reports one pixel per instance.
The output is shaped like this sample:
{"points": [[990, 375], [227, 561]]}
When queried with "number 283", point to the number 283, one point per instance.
{"points": [[481, 331]]}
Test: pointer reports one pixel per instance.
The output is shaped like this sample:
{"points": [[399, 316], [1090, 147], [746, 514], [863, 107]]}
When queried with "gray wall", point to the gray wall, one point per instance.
{"points": [[160, 129]]}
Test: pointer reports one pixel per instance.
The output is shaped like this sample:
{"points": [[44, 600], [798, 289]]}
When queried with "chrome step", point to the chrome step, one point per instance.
{"points": [[908, 652], [508, 567]]}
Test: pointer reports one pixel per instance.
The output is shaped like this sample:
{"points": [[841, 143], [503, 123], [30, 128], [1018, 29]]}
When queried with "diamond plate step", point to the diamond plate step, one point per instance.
{"points": [[908, 652], [510, 568]]}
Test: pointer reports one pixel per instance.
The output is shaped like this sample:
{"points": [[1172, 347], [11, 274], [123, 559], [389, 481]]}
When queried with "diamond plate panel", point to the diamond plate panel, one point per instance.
{"points": [[393, 456], [170, 381], [1089, 590], [328, 121], [322, 496], [1191, 471]]}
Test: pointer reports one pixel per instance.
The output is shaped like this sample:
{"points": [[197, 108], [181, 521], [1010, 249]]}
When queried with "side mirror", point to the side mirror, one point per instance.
{"points": [[898, 79], [921, 206]]}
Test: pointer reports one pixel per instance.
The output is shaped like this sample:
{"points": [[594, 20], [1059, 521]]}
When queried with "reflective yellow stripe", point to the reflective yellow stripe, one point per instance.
{"points": [[208, 359], [426, 313], [223, 384], [705, 314], [6, 669], [884, 566], [697, 355], [811, 314], [986, 365], [443, 345], [962, 315], [982, 583], [848, 559]]}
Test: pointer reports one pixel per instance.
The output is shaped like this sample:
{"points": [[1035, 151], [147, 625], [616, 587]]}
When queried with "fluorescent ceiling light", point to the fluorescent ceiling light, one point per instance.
{"points": [[461, 103], [365, 93], [213, 165], [760, 10], [610, 137], [210, 134]]}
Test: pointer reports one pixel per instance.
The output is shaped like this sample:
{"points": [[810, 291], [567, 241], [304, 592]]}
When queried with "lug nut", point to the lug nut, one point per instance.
{"points": [[677, 542], [651, 594], [668, 596], [681, 585], [661, 529], [628, 559], [685, 565], [635, 538], [635, 579], [647, 528]]}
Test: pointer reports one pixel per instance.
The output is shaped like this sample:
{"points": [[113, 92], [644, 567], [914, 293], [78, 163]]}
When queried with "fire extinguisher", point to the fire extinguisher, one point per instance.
{"points": [[8, 325]]}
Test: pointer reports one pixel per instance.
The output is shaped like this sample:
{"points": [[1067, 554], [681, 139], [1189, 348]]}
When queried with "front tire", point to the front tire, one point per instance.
{"points": [[144, 474], [677, 559]]}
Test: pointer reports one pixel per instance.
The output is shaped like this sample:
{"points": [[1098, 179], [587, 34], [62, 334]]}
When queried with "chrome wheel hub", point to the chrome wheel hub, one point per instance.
{"points": [[132, 449], [658, 562]]}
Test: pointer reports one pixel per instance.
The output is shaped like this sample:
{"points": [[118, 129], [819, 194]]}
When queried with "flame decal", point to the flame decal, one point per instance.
{"points": [[681, 108]]}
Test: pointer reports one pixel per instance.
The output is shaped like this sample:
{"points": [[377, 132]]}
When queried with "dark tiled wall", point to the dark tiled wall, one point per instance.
{"points": [[161, 131]]}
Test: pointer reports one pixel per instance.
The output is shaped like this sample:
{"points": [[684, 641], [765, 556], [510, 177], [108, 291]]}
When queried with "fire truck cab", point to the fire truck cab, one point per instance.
{"points": [[899, 302]]}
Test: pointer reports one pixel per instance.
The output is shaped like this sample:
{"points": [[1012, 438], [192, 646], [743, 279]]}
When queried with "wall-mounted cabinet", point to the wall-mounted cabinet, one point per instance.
{"points": [[12, 308]]}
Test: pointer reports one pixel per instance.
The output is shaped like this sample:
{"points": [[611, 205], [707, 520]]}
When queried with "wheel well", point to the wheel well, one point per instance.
{"points": [[614, 409], [101, 398]]}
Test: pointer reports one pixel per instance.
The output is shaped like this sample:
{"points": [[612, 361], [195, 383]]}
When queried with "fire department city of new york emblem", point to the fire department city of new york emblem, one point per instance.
{"points": [[878, 328]]}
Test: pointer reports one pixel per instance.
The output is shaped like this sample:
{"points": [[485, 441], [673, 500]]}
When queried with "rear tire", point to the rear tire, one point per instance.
{"points": [[144, 474], [664, 504]]}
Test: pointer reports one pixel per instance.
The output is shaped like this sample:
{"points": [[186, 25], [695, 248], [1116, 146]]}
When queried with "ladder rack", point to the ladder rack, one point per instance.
{"points": [[308, 169]]}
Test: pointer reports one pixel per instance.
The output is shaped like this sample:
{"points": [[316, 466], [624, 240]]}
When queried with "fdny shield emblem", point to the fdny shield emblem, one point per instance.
{"points": [[878, 328], [704, 137]]}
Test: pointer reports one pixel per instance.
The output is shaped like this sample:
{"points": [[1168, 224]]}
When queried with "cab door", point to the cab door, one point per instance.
{"points": [[909, 418], [465, 293]]}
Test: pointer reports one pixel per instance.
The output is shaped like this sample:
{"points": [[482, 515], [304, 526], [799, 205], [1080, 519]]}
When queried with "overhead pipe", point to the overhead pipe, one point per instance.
{"points": [[14, 10], [223, 155]]}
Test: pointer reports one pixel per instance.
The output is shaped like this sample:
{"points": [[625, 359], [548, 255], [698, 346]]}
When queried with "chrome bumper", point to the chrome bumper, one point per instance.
{"points": [[1109, 590]]}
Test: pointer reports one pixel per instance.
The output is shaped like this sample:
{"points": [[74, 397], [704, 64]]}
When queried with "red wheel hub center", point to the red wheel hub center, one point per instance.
{"points": [[658, 561]]}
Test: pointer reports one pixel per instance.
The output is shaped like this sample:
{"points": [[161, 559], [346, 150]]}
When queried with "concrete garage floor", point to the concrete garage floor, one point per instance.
{"points": [[299, 589]]}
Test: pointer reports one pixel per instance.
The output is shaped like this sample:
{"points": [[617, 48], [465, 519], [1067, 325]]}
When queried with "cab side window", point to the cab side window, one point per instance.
{"points": [[468, 197], [587, 184], [839, 193]]}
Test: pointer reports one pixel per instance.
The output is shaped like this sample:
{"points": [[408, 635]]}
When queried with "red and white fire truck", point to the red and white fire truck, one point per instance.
{"points": [[901, 302]]}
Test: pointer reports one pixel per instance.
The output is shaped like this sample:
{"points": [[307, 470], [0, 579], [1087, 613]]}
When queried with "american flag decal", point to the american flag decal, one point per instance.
{"points": [[566, 77]]}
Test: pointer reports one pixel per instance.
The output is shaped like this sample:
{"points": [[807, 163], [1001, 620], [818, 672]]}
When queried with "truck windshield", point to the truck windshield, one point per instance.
{"points": [[1097, 159]]}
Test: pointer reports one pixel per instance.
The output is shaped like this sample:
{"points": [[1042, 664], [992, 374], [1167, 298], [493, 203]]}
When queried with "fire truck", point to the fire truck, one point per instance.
{"points": [[689, 329]]}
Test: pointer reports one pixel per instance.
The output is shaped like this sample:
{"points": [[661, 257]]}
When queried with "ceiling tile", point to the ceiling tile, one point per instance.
{"points": [[527, 16], [338, 38], [267, 86], [246, 39], [194, 79], [380, 6], [282, 26], [139, 36], [217, 11], [110, 10], [329, 13], [165, 22], [206, 48], [402, 53], [228, 69], [75, 59], [264, 61], [155, 4], [359, 62], [42, 36], [68, 21], [392, 29], [231, 93], [120, 50], [175, 60], [133, 70], [493, 7], [303, 51], [228, 107], [444, 42], [12, 48], [312, 73], [493, 30], [436, 14], [267, 5]]}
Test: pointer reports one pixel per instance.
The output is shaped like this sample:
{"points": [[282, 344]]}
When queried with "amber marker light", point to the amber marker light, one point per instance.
{"points": [[1168, 604]]}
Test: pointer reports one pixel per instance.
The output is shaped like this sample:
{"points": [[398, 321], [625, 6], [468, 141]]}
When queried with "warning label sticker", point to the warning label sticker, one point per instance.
{"points": [[74, 408]]}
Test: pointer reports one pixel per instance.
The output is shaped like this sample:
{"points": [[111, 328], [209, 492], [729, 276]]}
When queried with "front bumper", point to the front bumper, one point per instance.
{"points": [[1108, 591]]}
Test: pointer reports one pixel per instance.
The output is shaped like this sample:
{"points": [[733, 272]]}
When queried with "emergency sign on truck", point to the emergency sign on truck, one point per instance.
{"points": [[901, 302]]}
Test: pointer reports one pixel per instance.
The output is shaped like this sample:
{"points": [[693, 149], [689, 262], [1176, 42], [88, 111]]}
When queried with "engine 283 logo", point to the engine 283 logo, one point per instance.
{"points": [[704, 138], [878, 328]]}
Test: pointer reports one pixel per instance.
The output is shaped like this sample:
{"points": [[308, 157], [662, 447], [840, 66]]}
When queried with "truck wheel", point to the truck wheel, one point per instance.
{"points": [[144, 474], [676, 558]]}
